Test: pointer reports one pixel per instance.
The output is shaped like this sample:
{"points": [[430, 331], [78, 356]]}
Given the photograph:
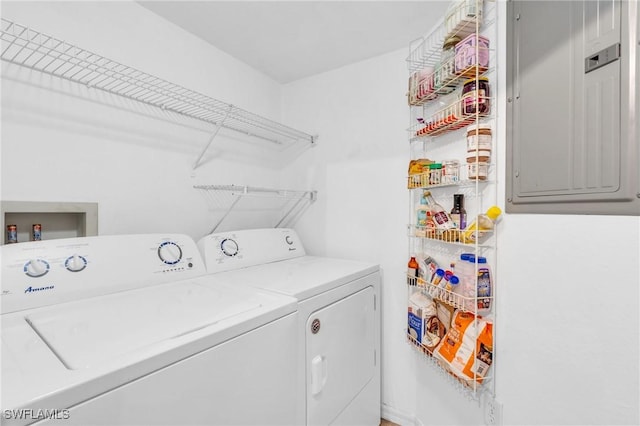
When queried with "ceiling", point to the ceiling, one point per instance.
{"points": [[290, 40]]}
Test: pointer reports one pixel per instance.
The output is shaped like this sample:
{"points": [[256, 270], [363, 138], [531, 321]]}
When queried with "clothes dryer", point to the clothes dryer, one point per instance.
{"points": [[338, 317], [124, 330]]}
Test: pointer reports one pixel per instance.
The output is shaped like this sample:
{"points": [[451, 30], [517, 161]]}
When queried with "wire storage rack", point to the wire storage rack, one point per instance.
{"points": [[28, 48], [452, 298], [287, 204]]}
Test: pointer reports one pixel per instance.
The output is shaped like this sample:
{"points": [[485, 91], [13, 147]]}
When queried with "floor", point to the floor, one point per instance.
{"points": [[384, 422]]}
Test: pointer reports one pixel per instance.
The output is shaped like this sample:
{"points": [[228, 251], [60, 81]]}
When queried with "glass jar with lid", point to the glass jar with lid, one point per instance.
{"points": [[446, 76], [450, 171], [476, 96], [479, 137]]}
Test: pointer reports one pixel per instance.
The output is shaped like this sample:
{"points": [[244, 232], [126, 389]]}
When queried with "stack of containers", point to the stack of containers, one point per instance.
{"points": [[478, 151]]}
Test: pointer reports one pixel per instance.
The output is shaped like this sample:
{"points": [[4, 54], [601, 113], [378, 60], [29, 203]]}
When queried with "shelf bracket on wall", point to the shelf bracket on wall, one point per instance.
{"points": [[213, 136], [224, 216], [289, 204]]}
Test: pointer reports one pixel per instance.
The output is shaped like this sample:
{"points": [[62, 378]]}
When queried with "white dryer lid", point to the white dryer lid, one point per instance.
{"points": [[105, 328], [301, 277]]}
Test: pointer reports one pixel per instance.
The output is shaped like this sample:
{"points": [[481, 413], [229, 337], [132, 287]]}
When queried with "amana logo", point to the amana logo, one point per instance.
{"points": [[34, 289]]}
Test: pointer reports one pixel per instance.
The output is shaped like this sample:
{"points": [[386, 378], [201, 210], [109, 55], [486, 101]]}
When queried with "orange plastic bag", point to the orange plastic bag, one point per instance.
{"points": [[467, 348]]}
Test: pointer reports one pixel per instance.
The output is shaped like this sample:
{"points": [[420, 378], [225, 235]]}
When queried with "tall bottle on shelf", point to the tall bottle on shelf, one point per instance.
{"points": [[422, 218], [458, 213], [412, 271], [441, 218]]}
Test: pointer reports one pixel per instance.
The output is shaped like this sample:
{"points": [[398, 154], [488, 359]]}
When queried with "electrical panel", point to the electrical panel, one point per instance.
{"points": [[572, 107]]}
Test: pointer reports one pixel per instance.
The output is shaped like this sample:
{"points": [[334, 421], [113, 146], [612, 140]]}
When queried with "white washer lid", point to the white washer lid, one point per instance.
{"points": [[302, 277], [101, 329]]}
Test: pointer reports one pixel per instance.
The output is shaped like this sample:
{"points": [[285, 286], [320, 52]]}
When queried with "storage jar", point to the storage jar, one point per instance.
{"points": [[477, 171], [478, 156], [479, 138], [475, 95], [472, 55], [445, 78], [435, 174], [450, 171]]}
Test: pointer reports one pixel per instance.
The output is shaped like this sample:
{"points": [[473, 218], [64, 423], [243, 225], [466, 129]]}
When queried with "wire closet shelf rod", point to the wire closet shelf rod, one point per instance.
{"points": [[28, 48]]}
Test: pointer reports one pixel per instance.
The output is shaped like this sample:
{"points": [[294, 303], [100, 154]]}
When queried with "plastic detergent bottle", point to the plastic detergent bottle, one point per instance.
{"points": [[467, 288], [485, 286], [483, 224]]}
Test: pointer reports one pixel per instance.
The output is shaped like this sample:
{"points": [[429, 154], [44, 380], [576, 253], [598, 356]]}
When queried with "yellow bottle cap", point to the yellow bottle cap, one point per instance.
{"points": [[494, 212]]}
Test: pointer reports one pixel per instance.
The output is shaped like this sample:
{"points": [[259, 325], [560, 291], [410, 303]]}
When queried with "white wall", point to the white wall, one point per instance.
{"points": [[62, 142], [568, 298]]}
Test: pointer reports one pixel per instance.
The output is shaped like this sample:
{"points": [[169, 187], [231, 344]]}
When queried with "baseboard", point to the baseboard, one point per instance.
{"points": [[396, 416]]}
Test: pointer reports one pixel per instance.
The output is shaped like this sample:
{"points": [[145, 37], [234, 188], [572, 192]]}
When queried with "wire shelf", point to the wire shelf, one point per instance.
{"points": [[454, 116], [469, 387], [28, 48], [423, 89], [464, 18], [451, 236], [287, 204], [423, 181], [458, 301]]}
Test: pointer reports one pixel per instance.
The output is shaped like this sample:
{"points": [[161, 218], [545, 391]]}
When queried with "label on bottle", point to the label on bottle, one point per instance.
{"points": [[422, 218], [459, 220], [484, 289], [442, 220], [412, 275], [455, 218]]}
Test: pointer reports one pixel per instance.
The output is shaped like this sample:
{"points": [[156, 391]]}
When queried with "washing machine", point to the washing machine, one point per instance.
{"points": [[131, 330], [338, 317]]}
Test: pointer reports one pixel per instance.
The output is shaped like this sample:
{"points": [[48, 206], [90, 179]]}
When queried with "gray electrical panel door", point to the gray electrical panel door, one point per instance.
{"points": [[572, 145]]}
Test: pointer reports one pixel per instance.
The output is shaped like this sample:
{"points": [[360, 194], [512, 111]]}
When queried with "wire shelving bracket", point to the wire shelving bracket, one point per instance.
{"points": [[34, 50], [291, 203]]}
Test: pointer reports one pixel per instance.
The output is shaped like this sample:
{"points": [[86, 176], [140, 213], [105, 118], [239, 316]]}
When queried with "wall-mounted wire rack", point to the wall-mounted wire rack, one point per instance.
{"points": [[28, 48], [462, 20], [288, 204], [433, 74], [451, 86], [467, 386]]}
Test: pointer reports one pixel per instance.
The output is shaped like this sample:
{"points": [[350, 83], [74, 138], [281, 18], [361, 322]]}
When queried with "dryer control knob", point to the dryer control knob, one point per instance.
{"points": [[170, 252], [75, 263], [229, 247], [36, 268]]}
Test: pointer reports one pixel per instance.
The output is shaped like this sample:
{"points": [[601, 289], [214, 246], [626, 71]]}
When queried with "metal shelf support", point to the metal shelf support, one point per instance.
{"points": [[213, 136], [292, 203]]}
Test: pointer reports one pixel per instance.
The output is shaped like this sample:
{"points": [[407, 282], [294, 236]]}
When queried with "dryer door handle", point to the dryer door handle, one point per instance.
{"points": [[318, 374]]}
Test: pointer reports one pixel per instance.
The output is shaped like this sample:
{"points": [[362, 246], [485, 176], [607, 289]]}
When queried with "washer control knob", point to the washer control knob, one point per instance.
{"points": [[36, 268], [75, 263], [229, 247], [170, 252]]}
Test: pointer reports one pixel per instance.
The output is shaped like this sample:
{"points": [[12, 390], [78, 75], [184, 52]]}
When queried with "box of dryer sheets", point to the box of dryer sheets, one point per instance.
{"points": [[424, 327]]}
